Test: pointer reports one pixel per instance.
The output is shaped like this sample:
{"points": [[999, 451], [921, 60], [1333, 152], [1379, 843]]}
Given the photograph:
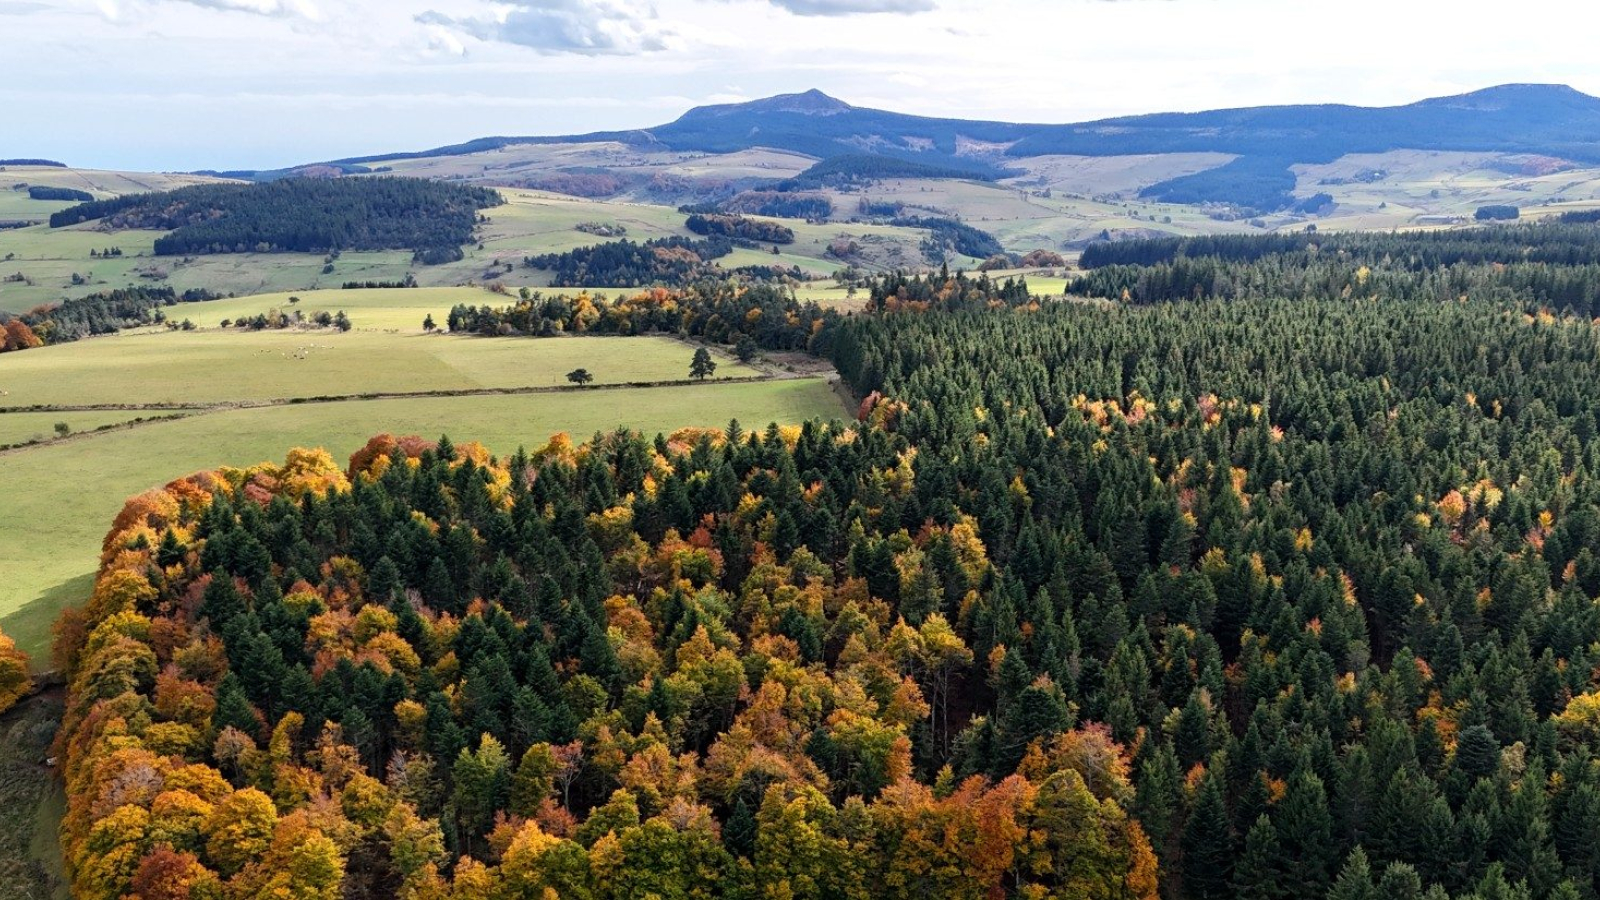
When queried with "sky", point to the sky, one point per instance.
{"points": [[177, 85]]}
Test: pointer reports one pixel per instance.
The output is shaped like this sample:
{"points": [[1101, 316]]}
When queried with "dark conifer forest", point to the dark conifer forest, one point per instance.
{"points": [[314, 215], [1269, 571], [46, 192]]}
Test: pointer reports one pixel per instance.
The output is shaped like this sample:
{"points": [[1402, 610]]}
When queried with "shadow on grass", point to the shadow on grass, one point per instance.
{"points": [[30, 625]]}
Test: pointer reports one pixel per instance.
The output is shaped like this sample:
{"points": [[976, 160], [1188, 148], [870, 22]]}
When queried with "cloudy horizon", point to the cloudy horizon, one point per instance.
{"points": [[226, 84]]}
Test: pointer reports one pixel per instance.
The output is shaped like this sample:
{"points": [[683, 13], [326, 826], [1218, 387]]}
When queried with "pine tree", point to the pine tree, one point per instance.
{"points": [[702, 366], [1304, 829], [1208, 848], [1355, 879], [233, 708], [1260, 872]]}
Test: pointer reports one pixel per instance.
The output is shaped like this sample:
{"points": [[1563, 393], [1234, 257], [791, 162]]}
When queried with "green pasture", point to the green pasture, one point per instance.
{"points": [[220, 366], [379, 309], [22, 427]]}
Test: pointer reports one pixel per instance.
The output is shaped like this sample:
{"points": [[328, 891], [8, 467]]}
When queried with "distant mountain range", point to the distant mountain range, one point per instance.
{"points": [[1545, 119]]}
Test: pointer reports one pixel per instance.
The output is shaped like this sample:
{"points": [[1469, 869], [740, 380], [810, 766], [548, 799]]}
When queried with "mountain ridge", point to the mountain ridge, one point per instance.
{"points": [[1554, 119]]}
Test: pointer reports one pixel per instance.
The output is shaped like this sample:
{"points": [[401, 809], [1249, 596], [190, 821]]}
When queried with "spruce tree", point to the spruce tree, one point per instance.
{"points": [[1208, 847]]}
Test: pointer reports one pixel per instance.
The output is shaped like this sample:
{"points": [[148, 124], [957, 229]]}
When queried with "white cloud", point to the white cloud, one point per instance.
{"points": [[587, 27], [852, 7], [441, 41], [286, 8], [244, 83]]}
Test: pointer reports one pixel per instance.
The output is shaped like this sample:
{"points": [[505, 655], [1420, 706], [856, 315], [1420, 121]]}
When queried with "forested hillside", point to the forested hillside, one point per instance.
{"points": [[1277, 594], [300, 214], [1554, 265]]}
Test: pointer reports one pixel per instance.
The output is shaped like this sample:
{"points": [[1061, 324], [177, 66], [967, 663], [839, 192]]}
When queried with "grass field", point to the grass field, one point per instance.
{"points": [[17, 206], [385, 309], [61, 497], [220, 366], [20, 427]]}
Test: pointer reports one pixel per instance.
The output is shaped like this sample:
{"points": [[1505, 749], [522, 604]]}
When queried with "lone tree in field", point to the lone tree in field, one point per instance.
{"points": [[580, 377], [428, 324], [703, 365]]}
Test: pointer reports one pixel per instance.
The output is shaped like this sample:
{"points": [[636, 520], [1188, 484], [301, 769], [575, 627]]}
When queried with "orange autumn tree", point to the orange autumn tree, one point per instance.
{"points": [[15, 682], [16, 335]]}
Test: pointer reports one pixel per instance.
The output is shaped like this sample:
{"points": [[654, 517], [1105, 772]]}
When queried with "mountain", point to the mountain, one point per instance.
{"points": [[1546, 119], [812, 123], [1516, 118]]}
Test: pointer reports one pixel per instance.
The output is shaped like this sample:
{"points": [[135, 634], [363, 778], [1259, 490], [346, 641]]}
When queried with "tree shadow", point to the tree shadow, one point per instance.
{"points": [[30, 624]]}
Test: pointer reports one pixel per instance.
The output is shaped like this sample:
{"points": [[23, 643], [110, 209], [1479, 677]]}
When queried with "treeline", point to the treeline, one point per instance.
{"points": [[951, 236], [410, 281], [725, 312], [1565, 243], [713, 310], [1497, 213], [739, 228], [106, 312], [904, 291], [1554, 267], [781, 204], [624, 263], [308, 215], [45, 192], [277, 320], [33, 162]]}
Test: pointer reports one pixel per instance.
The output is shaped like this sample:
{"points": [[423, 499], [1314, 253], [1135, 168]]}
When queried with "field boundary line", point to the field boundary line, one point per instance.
{"points": [[185, 412]]}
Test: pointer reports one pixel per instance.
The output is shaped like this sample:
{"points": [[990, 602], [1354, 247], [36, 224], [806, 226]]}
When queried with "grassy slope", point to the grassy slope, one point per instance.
{"points": [[516, 163], [215, 366], [1023, 221], [383, 309], [18, 427]]}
